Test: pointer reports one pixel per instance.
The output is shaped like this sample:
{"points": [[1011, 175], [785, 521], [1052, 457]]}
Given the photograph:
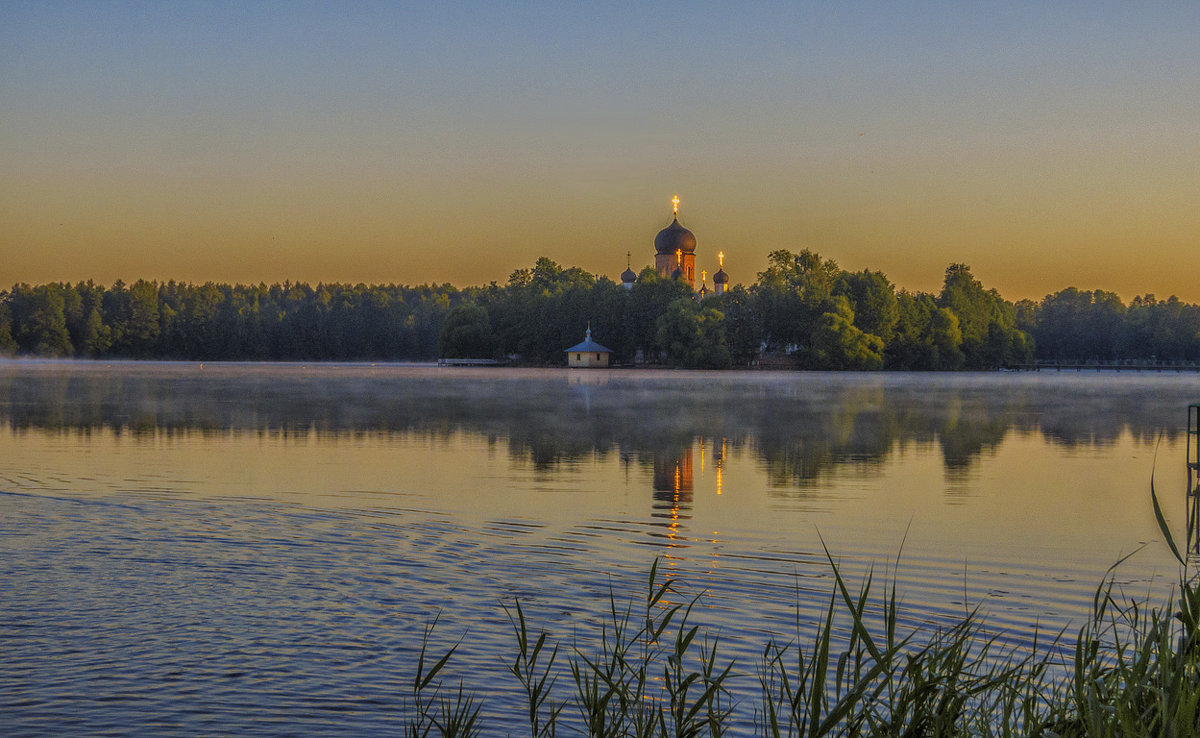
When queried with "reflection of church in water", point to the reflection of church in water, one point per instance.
{"points": [[675, 258], [674, 478]]}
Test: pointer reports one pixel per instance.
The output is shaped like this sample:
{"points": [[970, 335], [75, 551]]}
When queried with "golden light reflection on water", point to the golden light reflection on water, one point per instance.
{"points": [[1023, 498]]}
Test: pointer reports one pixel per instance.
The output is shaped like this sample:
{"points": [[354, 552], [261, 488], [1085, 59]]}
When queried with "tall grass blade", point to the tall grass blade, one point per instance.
{"points": [[856, 613], [1162, 523]]}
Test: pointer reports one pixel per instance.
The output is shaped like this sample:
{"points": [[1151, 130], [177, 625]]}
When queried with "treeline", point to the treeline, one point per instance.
{"points": [[148, 320], [802, 311]]}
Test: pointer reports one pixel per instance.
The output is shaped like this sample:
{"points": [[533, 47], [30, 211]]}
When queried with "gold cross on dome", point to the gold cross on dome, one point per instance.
{"points": [[675, 202], [721, 259]]}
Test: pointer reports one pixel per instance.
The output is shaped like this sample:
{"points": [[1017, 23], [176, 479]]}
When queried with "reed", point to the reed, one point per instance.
{"points": [[537, 679], [428, 711], [1133, 671]]}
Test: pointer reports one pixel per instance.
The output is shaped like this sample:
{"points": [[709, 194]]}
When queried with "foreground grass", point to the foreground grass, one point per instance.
{"points": [[1133, 671]]}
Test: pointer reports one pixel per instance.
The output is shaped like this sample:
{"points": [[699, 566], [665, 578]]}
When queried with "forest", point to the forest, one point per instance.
{"points": [[803, 311]]}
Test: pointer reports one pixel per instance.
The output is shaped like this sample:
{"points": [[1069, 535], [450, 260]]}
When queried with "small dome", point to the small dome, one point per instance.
{"points": [[628, 276], [677, 274], [721, 277], [675, 237]]}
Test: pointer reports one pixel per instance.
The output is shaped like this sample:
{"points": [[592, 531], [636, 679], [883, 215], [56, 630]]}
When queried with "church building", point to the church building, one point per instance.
{"points": [[675, 258]]}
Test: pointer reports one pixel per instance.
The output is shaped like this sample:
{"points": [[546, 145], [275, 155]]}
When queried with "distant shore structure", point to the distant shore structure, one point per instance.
{"points": [[587, 354], [675, 258]]}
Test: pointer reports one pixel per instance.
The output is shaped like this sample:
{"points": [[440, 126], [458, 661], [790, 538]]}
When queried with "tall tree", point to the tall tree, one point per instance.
{"points": [[743, 327], [1074, 325], [693, 336], [90, 335], [926, 337], [40, 319], [791, 295], [873, 300], [467, 334], [8, 344], [650, 297], [990, 337], [838, 344]]}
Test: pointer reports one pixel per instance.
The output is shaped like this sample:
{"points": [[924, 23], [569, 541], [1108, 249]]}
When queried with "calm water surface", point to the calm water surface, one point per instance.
{"points": [[257, 549]]}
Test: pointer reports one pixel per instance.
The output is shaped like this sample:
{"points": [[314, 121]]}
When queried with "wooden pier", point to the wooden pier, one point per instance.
{"points": [[470, 362], [1110, 366]]}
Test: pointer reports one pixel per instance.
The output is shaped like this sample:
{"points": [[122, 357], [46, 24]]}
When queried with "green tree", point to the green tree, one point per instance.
{"points": [[649, 299], [1027, 315], [926, 337], [467, 334], [1161, 330], [547, 276], [433, 304], [946, 338], [805, 272], [838, 344], [8, 344], [743, 327], [873, 300], [693, 336], [95, 339], [40, 320], [791, 295], [133, 318], [90, 335], [990, 337], [1080, 326]]}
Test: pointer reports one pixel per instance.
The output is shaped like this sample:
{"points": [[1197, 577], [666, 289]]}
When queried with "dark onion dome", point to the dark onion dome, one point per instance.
{"points": [[677, 274], [627, 276], [721, 277], [675, 237]]}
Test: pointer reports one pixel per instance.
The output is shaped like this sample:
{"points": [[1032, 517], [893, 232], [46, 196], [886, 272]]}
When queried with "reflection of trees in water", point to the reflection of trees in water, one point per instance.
{"points": [[800, 439], [800, 426]]}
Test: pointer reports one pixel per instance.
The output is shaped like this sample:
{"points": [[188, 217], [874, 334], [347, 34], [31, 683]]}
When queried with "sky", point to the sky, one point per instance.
{"points": [[1046, 145]]}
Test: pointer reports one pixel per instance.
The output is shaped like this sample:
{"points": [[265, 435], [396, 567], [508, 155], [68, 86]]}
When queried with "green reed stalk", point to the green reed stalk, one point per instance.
{"points": [[536, 679], [459, 717]]}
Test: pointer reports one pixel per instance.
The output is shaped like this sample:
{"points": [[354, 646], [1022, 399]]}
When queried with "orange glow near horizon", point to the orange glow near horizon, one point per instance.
{"points": [[201, 246]]}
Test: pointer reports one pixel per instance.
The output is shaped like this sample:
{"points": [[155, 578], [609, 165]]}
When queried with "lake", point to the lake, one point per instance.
{"points": [[259, 548]]}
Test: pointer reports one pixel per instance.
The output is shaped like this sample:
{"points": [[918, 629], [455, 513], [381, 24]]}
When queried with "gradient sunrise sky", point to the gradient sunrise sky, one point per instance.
{"points": [[1046, 144]]}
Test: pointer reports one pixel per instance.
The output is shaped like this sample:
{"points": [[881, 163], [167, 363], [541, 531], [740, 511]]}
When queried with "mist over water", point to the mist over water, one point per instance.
{"points": [[257, 548]]}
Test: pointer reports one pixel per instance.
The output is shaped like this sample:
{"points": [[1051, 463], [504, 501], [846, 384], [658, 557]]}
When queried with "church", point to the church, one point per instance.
{"points": [[675, 258]]}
